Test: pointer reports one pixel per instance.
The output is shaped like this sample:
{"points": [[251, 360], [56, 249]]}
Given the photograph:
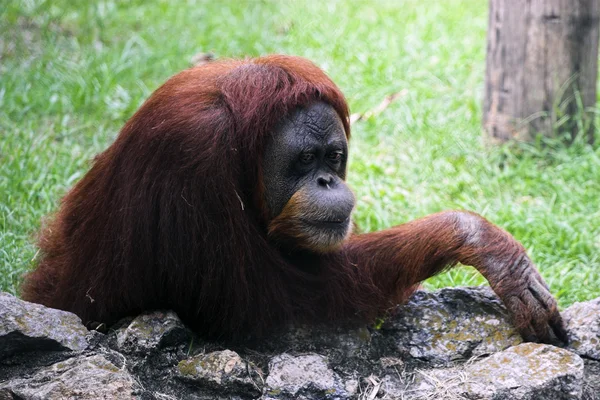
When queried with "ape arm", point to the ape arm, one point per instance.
{"points": [[399, 258]]}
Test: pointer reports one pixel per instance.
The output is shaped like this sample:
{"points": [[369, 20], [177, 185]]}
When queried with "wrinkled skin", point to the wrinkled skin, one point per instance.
{"points": [[223, 198], [310, 206], [304, 172]]}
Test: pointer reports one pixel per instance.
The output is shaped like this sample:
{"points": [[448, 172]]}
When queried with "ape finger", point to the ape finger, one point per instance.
{"points": [[542, 295], [538, 315], [558, 327], [541, 292], [521, 318]]}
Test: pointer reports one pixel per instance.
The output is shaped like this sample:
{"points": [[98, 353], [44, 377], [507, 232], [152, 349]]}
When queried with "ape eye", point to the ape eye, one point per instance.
{"points": [[336, 156], [307, 158]]}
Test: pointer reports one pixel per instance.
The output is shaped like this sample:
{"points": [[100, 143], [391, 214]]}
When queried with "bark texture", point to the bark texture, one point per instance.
{"points": [[541, 68]]}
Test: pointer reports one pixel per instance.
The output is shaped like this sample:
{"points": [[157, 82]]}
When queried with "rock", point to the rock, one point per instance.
{"points": [[225, 371], [451, 324], [449, 344], [530, 370], [27, 326], [348, 341], [583, 326], [152, 331], [527, 371], [591, 378], [307, 375], [82, 378], [345, 347]]}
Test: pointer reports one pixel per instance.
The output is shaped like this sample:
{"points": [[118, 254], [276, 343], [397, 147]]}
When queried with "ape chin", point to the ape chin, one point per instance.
{"points": [[224, 198]]}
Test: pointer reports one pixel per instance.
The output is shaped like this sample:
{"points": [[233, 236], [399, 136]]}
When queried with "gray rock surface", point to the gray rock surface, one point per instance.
{"points": [[26, 326], [92, 377], [449, 344], [151, 331], [221, 369], [583, 325], [306, 375], [451, 325], [526, 371]]}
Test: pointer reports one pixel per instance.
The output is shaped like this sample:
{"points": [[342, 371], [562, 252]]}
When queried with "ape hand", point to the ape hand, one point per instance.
{"points": [[531, 305]]}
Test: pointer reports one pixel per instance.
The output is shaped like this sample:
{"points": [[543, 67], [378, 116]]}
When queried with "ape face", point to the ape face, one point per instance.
{"points": [[304, 170]]}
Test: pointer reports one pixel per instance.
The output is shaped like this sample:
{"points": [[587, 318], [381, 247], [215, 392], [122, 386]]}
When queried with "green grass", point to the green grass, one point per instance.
{"points": [[72, 72]]}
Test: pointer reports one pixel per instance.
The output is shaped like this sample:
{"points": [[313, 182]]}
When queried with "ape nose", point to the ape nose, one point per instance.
{"points": [[325, 181]]}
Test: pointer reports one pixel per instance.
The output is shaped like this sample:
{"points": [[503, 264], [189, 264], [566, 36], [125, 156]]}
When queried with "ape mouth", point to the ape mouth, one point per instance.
{"points": [[334, 224]]}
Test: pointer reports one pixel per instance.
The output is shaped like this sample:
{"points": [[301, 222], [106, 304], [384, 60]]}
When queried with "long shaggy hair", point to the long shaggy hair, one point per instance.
{"points": [[172, 214]]}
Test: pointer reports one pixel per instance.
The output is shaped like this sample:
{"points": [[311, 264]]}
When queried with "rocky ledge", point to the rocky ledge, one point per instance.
{"points": [[448, 344]]}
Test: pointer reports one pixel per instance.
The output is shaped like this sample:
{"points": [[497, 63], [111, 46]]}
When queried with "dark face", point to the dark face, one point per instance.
{"points": [[304, 171]]}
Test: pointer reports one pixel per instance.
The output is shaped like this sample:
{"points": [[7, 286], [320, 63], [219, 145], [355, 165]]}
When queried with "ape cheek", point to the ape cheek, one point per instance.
{"points": [[301, 226]]}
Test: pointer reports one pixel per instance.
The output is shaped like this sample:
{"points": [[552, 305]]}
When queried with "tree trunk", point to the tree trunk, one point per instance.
{"points": [[541, 68]]}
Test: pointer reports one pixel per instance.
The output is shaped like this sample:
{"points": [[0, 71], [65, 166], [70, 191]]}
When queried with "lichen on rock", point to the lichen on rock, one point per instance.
{"points": [[448, 344], [583, 325], [92, 377], [449, 325], [291, 376], [26, 326], [151, 331], [221, 369]]}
